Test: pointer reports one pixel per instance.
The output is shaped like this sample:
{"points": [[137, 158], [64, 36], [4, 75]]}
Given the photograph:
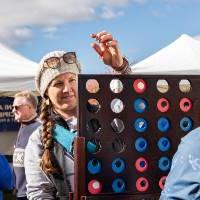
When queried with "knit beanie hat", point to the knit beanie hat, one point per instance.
{"points": [[45, 75]]}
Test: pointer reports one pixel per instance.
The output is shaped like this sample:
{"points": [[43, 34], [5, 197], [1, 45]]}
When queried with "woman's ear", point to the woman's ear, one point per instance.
{"points": [[46, 99]]}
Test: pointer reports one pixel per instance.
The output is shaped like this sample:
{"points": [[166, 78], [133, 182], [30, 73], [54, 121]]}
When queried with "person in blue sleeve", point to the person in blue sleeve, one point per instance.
{"points": [[183, 180], [6, 176]]}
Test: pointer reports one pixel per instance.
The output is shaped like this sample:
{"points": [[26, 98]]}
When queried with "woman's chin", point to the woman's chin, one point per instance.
{"points": [[69, 107]]}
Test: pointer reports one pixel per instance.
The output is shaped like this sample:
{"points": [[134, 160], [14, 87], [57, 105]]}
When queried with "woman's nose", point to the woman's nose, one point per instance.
{"points": [[67, 87]]}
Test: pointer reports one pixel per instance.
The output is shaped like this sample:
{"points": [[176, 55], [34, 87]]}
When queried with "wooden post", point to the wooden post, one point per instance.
{"points": [[79, 167]]}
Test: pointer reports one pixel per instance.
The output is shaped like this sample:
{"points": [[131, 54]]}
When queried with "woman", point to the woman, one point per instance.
{"points": [[49, 162]]}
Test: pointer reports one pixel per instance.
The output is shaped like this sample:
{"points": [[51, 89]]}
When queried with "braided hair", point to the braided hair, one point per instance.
{"points": [[48, 163]]}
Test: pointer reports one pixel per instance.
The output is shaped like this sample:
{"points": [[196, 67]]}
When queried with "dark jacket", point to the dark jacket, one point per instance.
{"points": [[24, 133]]}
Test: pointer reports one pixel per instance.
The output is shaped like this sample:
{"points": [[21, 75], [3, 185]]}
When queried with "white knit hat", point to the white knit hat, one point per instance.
{"points": [[44, 75]]}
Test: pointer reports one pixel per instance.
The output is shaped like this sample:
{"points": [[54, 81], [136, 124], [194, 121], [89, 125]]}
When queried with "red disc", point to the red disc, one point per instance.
{"points": [[162, 182], [94, 187], [141, 164], [139, 85], [163, 105], [185, 104], [142, 184]]}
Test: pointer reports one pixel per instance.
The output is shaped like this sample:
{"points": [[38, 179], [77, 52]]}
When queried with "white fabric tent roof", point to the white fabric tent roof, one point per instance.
{"points": [[180, 57], [16, 72]]}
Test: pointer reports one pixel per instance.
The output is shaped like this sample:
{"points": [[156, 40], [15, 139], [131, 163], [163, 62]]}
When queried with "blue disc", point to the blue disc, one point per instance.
{"points": [[140, 105], [94, 166], [164, 163], [163, 124], [91, 147], [141, 144], [164, 144], [118, 165], [186, 124], [141, 125], [118, 185]]}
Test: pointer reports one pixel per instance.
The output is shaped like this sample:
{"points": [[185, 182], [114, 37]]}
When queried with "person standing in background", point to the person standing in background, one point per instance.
{"points": [[25, 112]]}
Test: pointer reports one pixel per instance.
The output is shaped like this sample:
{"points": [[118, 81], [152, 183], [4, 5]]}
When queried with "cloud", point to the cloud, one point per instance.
{"points": [[108, 13], [11, 36], [50, 32], [19, 17], [23, 33]]}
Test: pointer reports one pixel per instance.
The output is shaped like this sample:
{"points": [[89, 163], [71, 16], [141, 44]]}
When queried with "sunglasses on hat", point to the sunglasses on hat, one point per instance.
{"points": [[54, 62]]}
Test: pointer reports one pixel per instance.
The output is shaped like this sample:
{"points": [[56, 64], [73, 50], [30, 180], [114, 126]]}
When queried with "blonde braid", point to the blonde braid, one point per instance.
{"points": [[48, 162]]}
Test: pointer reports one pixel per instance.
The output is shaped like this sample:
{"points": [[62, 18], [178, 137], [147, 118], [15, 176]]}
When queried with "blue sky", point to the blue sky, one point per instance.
{"points": [[142, 27]]}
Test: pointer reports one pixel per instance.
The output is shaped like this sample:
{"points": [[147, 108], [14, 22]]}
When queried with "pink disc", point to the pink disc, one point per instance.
{"points": [[163, 105], [94, 187], [162, 182], [141, 164], [185, 104], [142, 184], [139, 85]]}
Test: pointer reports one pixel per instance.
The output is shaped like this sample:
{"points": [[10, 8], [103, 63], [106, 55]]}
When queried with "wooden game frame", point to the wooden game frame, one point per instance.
{"points": [[79, 193], [175, 114]]}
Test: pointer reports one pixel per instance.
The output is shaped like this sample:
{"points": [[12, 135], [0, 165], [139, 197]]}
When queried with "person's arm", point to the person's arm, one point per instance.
{"points": [[108, 50], [183, 179], [39, 186]]}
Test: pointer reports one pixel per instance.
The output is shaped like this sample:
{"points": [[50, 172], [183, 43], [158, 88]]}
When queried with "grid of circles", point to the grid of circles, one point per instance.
{"points": [[140, 125], [93, 106], [140, 105], [94, 166], [185, 105], [118, 165], [186, 123], [163, 125], [93, 146], [93, 126]]}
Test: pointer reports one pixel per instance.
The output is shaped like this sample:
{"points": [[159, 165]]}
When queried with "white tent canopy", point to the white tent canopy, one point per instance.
{"points": [[16, 72], [180, 57]]}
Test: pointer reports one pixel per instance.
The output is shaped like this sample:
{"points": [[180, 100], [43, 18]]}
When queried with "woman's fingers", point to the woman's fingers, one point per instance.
{"points": [[112, 43], [97, 48], [102, 37]]}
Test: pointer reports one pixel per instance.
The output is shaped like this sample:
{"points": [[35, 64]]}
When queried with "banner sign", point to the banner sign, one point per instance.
{"points": [[7, 122]]}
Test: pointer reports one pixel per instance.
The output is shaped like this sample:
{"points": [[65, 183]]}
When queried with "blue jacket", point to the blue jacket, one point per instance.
{"points": [[183, 181], [6, 175]]}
